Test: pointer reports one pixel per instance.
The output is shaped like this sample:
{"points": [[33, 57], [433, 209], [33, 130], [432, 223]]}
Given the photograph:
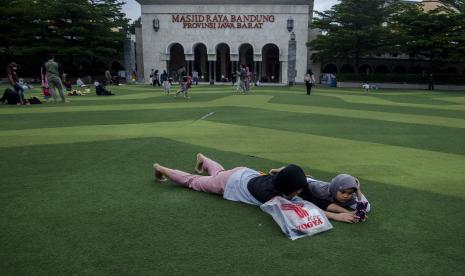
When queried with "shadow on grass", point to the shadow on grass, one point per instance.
{"points": [[93, 208]]}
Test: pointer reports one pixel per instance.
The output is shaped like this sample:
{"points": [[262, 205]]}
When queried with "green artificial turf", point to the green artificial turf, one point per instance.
{"points": [[77, 194]]}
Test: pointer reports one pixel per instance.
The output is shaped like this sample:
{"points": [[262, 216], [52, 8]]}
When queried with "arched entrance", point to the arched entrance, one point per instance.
{"points": [[223, 63], [364, 69], [347, 69], [271, 67], [382, 69], [330, 69], [417, 70], [100, 67], [399, 70], [177, 59], [201, 61], [246, 55]]}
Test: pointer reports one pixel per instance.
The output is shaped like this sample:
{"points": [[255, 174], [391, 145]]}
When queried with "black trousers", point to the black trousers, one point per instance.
{"points": [[309, 86], [10, 96]]}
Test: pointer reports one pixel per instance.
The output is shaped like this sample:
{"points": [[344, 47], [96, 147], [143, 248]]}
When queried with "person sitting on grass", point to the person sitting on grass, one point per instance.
{"points": [[366, 86], [80, 83], [247, 185], [68, 85], [25, 85], [101, 90], [14, 81], [10, 97], [74, 93]]}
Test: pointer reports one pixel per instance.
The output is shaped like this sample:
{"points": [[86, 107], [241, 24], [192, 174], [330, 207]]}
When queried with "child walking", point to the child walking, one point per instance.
{"points": [[165, 82]]}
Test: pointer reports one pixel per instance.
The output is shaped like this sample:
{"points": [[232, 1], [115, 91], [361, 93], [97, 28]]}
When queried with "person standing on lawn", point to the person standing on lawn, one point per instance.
{"points": [[54, 78]]}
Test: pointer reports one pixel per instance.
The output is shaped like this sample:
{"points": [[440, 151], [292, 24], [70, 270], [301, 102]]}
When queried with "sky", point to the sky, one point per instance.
{"points": [[132, 8]]}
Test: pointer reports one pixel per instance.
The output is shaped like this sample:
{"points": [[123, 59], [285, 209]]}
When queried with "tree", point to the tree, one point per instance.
{"points": [[437, 35], [80, 27], [352, 30], [136, 23], [18, 27]]}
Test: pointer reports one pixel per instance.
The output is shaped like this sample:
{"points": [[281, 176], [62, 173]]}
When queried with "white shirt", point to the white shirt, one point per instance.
{"points": [[236, 187]]}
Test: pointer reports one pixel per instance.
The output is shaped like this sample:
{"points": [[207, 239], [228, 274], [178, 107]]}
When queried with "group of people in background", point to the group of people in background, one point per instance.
{"points": [[54, 83], [166, 81], [51, 82]]}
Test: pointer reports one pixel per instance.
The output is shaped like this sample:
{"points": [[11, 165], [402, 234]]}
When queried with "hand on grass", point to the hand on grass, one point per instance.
{"points": [[346, 217], [365, 219]]}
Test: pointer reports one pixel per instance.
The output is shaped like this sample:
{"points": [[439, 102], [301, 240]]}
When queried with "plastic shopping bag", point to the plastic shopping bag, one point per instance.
{"points": [[297, 218]]}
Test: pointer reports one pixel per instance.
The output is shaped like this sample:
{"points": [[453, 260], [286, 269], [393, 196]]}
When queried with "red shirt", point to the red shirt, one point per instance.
{"points": [[12, 77]]}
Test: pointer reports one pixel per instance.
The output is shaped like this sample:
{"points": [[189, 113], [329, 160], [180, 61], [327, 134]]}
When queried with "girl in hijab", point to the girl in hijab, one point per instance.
{"points": [[343, 190]]}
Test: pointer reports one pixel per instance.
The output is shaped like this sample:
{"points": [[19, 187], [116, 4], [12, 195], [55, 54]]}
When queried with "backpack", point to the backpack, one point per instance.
{"points": [[34, 100], [307, 78]]}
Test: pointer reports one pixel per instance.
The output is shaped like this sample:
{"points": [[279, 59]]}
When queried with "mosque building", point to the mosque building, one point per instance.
{"points": [[214, 37]]}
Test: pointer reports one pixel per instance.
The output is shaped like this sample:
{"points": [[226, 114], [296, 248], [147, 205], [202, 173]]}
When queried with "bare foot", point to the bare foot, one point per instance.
{"points": [[199, 163], [157, 174]]}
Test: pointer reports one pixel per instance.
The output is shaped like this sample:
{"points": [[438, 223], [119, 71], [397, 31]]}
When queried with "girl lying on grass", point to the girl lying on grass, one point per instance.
{"points": [[344, 190], [249, 186]]}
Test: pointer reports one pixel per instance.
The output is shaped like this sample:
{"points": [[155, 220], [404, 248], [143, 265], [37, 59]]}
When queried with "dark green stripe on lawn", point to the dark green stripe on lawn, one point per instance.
{"points": [[92, 208], [368, 130], [325, 101]]}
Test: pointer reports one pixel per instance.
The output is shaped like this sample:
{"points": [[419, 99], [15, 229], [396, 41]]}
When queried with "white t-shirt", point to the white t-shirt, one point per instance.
{"points": [[236, 187]]}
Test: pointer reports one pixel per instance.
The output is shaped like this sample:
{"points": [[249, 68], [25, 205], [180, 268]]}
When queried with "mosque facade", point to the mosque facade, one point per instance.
{"points": [[213, 38]]}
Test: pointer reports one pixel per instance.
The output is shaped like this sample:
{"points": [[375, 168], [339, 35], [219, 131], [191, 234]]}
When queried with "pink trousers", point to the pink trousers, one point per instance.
{"points": [[214, 183]]}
